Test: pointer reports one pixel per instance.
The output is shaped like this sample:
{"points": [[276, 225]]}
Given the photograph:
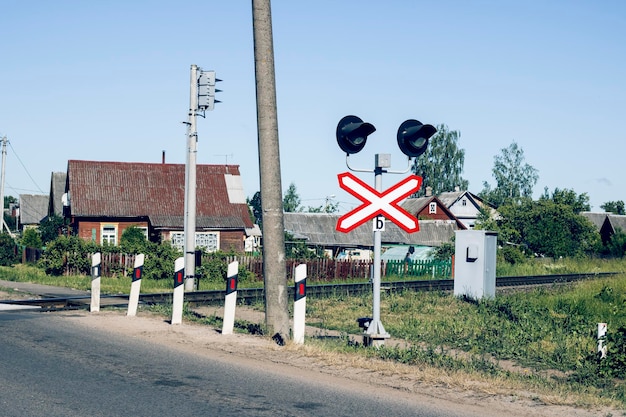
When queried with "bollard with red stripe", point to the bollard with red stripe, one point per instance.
{"points": [[230, 302], [179, 291], [299, 305], [135, 286]]}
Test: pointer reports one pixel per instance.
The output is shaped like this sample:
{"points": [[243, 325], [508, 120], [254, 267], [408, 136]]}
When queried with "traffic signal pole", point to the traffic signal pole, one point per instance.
{"points": [[352, 133], [190, 184]]}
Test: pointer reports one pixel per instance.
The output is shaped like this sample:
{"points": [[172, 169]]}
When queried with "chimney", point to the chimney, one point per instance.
{"points": [[163, 157], [429, 191], [457, 188]]}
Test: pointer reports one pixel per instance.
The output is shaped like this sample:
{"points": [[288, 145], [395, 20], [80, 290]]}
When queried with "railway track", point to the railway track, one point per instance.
{"points": [[252, 295]]}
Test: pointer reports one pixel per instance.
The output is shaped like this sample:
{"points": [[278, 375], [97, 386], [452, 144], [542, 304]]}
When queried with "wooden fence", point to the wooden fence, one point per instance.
{"points": [[319, 270], [333, 270]]}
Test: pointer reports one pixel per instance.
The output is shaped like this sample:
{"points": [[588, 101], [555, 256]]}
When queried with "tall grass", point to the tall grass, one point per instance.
{"points": [[550, 332]]}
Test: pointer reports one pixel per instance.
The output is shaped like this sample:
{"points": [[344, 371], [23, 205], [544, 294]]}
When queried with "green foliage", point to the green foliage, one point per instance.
{"points": [[614, 365], [215, 268], [567, 197], [615, 207], [298, 249], [616, 246], [51, 228], [444, 252], [31, 239], [133, 240], [8, 250], [514, 178], [547, 228], [291, 200], [441, 165], [256, 208], [159, 260], [67, 252], [512, 254]]}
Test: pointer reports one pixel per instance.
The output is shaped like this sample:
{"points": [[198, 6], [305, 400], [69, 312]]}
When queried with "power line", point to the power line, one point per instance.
{"points": [[23, 166]]}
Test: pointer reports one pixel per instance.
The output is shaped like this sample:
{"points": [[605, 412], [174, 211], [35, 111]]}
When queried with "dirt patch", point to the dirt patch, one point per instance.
{"points": [[407, 383]]}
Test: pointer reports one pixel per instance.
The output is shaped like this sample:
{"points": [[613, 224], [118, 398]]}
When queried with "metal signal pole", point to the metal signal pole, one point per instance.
{"points": [[190, 184]]}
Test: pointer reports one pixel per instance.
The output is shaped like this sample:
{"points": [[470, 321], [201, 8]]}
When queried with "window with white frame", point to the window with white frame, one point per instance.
{"points": [[209, 241], [108, 235], [432, 208]]}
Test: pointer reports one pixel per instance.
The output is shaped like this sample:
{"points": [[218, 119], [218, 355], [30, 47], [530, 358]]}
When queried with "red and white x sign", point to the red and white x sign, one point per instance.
{"points": [[376, 203]]}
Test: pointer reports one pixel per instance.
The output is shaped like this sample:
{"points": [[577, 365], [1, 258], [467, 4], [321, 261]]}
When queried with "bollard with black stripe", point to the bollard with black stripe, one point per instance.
{"points": [[96, 261], [179, 291], [230, 301], [299, 305], [135, 286]]}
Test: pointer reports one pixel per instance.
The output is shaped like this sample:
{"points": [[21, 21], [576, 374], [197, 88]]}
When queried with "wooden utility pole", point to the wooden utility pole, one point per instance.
{"points": [[274, 265]]}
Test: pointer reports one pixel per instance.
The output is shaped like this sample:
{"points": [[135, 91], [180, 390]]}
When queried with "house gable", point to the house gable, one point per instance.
{"points": [[33, 209], [465, 206], [430, 208]]}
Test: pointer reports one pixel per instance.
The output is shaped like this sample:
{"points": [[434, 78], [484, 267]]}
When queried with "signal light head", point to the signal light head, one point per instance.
{"points": [[413, 137], [352, 134]]}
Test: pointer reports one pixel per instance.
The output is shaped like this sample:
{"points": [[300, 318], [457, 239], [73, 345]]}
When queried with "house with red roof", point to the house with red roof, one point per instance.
{"points": [[102, 199]]}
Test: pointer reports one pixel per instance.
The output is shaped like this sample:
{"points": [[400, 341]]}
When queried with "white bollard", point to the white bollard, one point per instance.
{"points": [[96, 260], [299, 305], [230, 301], [179, 291], [135, 286], [602, 340]]}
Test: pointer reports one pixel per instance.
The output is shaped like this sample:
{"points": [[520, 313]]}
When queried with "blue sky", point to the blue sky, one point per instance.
{"points": [[109, 81]]}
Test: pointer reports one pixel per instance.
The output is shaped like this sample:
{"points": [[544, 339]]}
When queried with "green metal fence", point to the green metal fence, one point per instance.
{"points": [[432, 268]]}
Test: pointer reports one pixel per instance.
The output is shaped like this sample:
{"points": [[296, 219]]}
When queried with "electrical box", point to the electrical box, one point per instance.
{"points": [[475, 263]]}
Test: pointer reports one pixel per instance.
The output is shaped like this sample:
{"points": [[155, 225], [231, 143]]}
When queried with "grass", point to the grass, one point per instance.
{"points": [[544, 339]]}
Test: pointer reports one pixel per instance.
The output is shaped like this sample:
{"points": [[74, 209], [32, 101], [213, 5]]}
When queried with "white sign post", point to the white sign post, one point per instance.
{"points": [[135, 286], [377, 202]]}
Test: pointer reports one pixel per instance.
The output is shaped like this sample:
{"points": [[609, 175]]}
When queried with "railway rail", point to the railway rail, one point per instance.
{"points": [[252, 295]]}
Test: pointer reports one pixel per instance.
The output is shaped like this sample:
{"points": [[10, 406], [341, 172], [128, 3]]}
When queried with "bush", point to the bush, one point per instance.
{"points": [[614, 365], [159, 261], [67, 252], [215, 268], [31, 239], [8, 250]]}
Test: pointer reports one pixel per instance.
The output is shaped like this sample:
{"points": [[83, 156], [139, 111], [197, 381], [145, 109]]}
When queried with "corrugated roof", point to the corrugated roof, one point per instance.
{"points": [[320, 229], [618, 222], [57, 189], [156, 191], [33, 208], [596, 218]]}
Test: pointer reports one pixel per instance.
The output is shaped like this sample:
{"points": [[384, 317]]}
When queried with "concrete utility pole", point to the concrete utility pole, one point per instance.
{"points": [[274, 265], [190, 184]]}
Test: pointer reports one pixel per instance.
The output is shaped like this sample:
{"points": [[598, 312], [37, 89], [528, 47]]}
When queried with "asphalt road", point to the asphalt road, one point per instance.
{"points": [[50, 367]]}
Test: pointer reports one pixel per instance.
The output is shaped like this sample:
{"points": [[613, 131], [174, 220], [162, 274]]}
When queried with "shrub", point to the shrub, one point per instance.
{"points": [[67, 252], [31, 238], [8, 250]]}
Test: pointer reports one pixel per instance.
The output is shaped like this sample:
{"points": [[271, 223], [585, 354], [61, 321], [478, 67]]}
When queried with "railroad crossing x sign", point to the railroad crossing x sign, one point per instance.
{"points": [[376, 203]]}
